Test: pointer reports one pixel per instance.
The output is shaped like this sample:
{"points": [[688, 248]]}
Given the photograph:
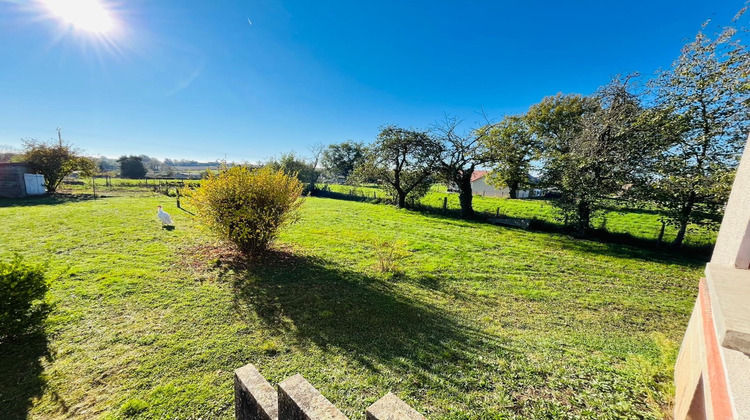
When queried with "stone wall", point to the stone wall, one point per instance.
{"points": [[297, 399]]}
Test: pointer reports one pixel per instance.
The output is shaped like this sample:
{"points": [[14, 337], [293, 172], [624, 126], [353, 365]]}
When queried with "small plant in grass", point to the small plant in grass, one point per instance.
{"points": [[248, 206], [133, 407], [22, 290], [389, 253]]}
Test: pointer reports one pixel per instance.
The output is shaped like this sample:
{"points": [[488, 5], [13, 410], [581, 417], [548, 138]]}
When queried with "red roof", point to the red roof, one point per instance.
{"points": [[478, 174]]}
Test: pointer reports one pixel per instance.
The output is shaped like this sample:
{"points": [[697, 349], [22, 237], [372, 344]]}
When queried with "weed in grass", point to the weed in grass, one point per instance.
{"points": [[389, 253], [133, 407]]}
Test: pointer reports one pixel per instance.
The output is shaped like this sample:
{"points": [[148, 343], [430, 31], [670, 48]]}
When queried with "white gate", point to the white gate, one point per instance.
{"points": [[34, 184]]}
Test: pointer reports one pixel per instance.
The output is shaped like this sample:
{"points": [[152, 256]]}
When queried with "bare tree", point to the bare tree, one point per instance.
{"points": [[461, 153]]}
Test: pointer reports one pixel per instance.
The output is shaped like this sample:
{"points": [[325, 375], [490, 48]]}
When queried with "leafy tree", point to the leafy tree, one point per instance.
{"points": [[405, 160], [510, 148], [291, 164], [132, 167], [106, 165], [341, 159], [701, 116], [55, 161], [248, 206], [593, 148], [460, 155]]}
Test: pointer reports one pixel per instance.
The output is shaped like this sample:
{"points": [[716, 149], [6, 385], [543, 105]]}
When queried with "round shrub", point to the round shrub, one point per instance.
{"points": [[22, 290], [248, 206]]}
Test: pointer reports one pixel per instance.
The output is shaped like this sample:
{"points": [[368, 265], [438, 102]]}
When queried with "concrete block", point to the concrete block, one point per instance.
{"points": [[729, 291], [254, 397], [390, 407], [733, 243], [299, 400]]}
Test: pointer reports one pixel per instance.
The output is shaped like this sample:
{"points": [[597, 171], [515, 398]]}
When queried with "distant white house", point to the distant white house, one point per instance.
{"points": [[479, 186]]}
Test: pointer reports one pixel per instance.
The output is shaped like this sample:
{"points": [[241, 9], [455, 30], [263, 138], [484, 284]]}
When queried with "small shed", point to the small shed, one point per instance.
{"points": [[18, 180]]}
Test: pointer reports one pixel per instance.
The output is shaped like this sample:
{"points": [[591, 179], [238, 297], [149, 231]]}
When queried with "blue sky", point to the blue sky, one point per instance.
{"points": [[195, 79]]}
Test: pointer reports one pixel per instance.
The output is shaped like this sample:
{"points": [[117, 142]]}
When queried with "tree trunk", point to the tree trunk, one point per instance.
{"points": [[680, 234], [465, 197], [687, 210], [584, 216], [513, 187], [401, 199]]}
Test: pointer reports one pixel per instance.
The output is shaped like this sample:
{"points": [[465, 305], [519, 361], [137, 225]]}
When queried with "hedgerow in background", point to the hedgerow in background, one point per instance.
{"points": [[248, 206], [22, 290]]}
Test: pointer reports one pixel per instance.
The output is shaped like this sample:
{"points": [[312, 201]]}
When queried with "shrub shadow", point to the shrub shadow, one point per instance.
{"points": [[366, 317], [22, 378]]}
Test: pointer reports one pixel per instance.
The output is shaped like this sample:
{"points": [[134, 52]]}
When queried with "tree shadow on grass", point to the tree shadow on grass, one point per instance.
{"points": [[21, 373], [46, 200], [624, 244], [366, 317]]}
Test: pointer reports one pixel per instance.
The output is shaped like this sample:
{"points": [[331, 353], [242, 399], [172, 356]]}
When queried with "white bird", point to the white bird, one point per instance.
{"points": [[165, 218]]}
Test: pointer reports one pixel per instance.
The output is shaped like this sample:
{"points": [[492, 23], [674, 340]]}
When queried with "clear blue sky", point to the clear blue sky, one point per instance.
{"points": [[195, 79]]}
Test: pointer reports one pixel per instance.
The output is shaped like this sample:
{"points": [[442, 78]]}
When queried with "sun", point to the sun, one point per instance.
{"points": [[86, 15]]}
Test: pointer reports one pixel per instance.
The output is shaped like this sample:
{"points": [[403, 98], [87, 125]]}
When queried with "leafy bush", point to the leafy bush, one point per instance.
{"points": [[248, 206], [22, 290]]}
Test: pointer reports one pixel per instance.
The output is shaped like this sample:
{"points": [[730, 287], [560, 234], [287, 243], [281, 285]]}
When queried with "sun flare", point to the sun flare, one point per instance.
{"points": [[86, 15]]}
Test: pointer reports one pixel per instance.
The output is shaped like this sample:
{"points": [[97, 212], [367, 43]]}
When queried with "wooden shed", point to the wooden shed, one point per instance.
{"points": [[18, 180]]}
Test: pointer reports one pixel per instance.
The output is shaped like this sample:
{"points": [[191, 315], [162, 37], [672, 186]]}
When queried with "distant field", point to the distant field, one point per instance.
{"points": [[480, 322], [640, 223]]}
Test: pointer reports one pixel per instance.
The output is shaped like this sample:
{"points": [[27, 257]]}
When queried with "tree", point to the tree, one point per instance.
{"points": [[316, 149], [291, 164], [106, 165], [405, 160], [341, 159], [132, 167], [510, 148], [7, 153], [593, 148], [55, 161], [460, 155], [701, 115]]}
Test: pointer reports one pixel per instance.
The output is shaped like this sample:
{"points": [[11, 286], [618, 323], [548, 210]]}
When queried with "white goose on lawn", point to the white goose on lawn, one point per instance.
{"points": [[164, 217]]}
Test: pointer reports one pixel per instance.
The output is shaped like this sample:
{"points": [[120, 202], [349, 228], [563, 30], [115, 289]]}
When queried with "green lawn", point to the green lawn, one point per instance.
{"points": [[482, 322], [638, 223]]}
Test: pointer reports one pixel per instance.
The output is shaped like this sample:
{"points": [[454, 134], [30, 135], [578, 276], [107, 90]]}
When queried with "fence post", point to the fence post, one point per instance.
{"points": [[497, 212], [445, 204], [93, 185]]}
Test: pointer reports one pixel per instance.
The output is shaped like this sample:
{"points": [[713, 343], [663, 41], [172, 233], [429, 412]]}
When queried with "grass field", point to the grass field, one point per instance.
{"points": [[640, 224], [479, 322]]}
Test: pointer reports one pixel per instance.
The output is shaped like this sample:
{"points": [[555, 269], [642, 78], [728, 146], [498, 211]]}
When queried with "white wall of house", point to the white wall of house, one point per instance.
{"points": [[480, 187]]}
